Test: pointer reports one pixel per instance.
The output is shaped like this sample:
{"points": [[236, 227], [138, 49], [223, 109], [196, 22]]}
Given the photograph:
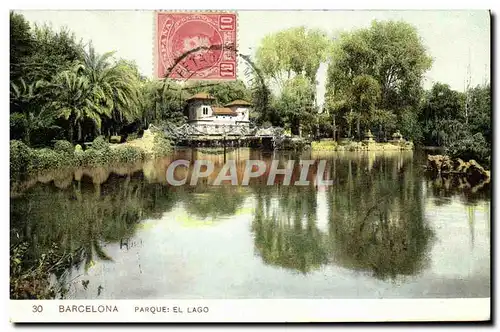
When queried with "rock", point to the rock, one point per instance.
{"points": [[476, 173], [115, 139], [439, 163], [460, 166], [472, 170]]}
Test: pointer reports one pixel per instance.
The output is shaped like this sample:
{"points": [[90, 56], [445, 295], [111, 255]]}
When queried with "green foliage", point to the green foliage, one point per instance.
{"points": [[296, 103], [324, 146], [297, 51], [224, 92], [470, 147], [380, 67], [325, 125], [128, 154], [162, 146], [64, 147], [48, 159], [100, 143], [21, 44], [94, 157], [29, 282], [20, 157], [17, 126], [162, 101], [391, 52], [409, 126], [479, 111]]}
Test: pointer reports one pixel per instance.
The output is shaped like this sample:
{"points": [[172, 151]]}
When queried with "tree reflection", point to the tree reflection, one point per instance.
{"points": [[376, 219], [285, 228], [79, 220], [214, 202]]}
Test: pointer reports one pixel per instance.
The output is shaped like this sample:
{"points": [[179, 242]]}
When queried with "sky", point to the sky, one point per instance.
{"points": [[454, 39]]}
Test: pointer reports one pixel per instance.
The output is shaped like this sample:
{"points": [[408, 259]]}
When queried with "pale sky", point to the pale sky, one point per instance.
{"points": [[454, 39]]}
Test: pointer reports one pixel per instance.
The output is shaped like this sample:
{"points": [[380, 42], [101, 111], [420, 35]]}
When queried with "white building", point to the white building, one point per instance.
{"points": [[214, 120]]}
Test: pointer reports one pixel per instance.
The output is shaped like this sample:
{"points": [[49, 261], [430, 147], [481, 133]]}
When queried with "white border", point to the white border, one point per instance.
{"points": [[268, 311]]}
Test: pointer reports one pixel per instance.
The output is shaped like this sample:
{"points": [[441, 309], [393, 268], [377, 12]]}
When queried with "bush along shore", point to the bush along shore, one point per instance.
{"points": [[25, 160]]}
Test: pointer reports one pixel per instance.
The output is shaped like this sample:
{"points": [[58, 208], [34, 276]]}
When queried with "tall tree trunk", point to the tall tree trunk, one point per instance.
{"points": [[70, 132], [79, 131], [334, 129], [295, 127], [358, 128]]}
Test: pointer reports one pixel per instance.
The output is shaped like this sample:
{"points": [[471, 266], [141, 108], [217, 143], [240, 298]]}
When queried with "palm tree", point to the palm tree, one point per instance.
{"points": [[76, 100], [30, 99], [115, 85]]}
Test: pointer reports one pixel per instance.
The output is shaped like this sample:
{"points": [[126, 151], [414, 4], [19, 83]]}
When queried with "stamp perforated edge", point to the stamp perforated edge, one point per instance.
{"points": [[155, 58]]}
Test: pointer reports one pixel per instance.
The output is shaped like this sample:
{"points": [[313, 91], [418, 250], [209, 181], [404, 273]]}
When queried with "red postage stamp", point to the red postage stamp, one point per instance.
{"points": [[199, 46]]}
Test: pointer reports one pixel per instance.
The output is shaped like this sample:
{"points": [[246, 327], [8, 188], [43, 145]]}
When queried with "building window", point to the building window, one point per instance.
{"points": [[205, 110]]}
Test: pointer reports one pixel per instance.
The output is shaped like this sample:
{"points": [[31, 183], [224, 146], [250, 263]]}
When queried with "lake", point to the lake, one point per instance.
{"points": [[384, 229]]}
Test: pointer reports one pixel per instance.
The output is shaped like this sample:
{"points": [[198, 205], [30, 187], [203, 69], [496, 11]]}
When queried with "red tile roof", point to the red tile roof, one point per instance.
{"points": [[223, 111]]}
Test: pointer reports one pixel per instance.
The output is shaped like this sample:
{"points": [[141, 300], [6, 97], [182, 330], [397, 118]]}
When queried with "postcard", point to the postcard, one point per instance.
{"points": [[250, 166]]}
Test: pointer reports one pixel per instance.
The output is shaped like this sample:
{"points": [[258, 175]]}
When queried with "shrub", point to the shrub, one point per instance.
{"points": [[45, 159], [20, 156], [470, 147], [94, 157], [162, 146], [100, 143], [64, 147], [128, 154], [17, 125], [324, 146]]}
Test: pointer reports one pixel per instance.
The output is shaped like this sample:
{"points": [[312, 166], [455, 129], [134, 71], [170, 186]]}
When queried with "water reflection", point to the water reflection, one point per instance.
{"points": [[372, 219], [286, 232], [376, 217]]}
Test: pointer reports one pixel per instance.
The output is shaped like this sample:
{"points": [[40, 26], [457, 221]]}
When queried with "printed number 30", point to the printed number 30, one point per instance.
{"points": [[37, 308]]}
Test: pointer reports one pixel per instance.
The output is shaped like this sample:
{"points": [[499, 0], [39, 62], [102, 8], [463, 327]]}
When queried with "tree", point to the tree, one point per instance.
{"points": [[115, 84], [21, 45], [480, 111], [75, 100], [54, 51], [296, 103], [162, 101], [30, 98], [365, 94], [385, 122], [295, 51], [392, 54], [441, 104], [224, 92]]}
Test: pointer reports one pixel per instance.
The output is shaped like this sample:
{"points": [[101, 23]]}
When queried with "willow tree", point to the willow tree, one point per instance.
{"points": [[287, 59], [295, 51]]}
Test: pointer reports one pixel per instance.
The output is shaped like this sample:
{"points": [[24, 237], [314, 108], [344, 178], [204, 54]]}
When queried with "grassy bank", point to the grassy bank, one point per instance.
{"points": [[329, 145], [25, 160]]}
